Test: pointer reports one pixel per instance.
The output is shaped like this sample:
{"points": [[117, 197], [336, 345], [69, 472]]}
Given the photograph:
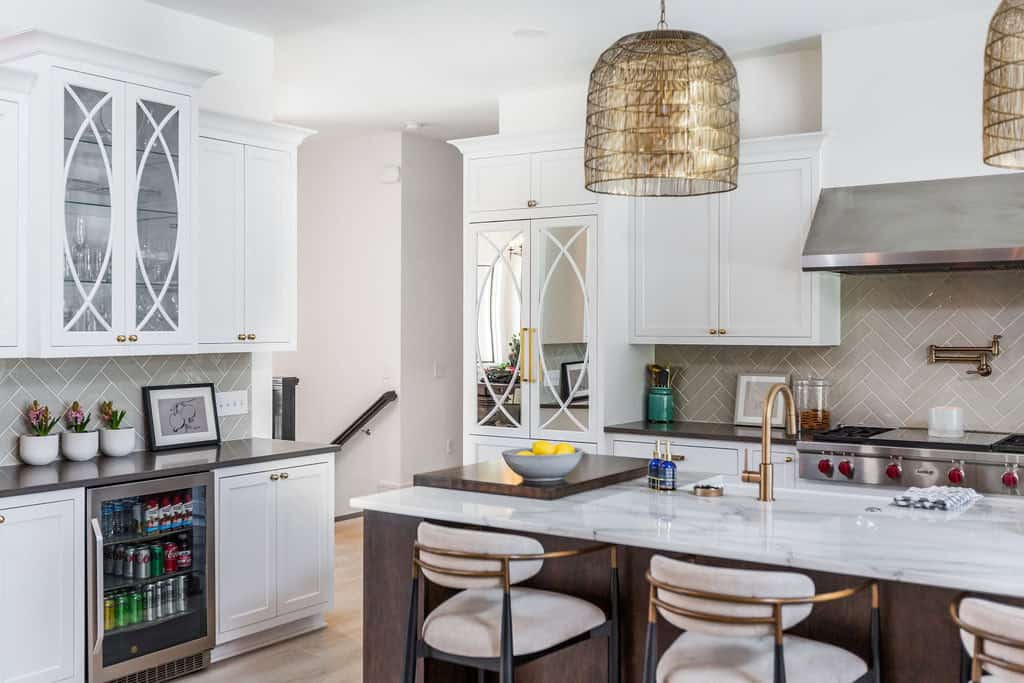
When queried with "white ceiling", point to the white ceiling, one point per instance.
{"points": [[377, 63]]}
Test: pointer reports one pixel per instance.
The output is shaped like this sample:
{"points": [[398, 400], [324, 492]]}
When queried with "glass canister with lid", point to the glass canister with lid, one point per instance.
{"points": [[812, 404]]}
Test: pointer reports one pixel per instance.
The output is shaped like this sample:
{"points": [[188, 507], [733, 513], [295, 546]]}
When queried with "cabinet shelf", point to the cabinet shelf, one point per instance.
{"points": [[155, 151], [195, 604], [152, 213], [155, 285], [113, 583], [132, 539]]}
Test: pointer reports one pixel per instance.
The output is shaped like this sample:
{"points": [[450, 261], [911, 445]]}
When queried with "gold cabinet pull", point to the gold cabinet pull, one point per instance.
{"points": [[132, 338], [712, 331], [789, 458], [284, 475], [533, 338], [721, 330], [251, 336], [532, 203], [274, 477], [241, 336], [2, 519], [121, 339], [524, 344]]}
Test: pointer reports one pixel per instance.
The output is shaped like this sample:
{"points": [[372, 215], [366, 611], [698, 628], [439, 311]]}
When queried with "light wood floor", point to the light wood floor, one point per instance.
{"points": [[333, 654]]}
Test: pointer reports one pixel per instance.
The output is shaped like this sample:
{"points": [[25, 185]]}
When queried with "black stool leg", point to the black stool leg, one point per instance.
{"points": [[481, 676], [965, 665], [507, 651], [412, 634], [613, 638], [876, 645], [650, 652]]}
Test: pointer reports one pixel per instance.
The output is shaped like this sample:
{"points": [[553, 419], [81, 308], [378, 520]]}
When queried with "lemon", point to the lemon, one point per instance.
{"points": [[564, 449], [525, 453], [543, 448]]}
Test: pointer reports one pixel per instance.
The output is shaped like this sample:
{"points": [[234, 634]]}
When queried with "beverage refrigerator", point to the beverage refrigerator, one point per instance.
{"points": [[150, 569]]}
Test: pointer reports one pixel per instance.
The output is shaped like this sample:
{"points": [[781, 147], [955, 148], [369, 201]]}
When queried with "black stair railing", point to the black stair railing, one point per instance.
{"points": [[364, 419]]}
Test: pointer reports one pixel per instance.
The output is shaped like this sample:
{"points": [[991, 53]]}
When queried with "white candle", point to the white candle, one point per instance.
{"points": [[946, 421]]}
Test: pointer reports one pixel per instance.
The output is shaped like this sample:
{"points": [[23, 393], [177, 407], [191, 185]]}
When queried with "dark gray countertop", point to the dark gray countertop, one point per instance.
{"points": [[698, 430], [16, 480]]}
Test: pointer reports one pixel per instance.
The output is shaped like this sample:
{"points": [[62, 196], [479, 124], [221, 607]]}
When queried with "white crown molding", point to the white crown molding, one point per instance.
{"points": [[494, 145], [34, 42], [14, 80], [798, 144], [238, 129]]}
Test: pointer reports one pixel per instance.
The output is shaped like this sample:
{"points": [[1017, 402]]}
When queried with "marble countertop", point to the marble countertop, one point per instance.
{"points": [[697, 430], [16, 480], [815, 527]]}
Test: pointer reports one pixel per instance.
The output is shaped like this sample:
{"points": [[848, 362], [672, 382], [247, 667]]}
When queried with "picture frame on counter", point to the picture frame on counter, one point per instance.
{"points": [[570, 375], [751, 390], [180, 416]]}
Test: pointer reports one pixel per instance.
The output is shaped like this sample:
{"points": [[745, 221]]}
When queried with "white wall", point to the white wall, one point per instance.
{"points": [[349, 346], [246, 60], [779, 94], [903, 101], [431, 381]]}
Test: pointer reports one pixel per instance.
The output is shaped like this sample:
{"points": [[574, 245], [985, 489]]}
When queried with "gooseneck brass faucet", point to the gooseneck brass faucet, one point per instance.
{"points": [[764, 476]]}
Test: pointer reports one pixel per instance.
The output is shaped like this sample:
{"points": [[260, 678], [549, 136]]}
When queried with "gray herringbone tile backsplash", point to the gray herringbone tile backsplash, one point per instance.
{"points": [[880, 368], [57, 382]]}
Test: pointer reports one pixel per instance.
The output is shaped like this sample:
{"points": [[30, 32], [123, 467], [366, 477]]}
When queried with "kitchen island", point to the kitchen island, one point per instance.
{"points": [[838, 537]]}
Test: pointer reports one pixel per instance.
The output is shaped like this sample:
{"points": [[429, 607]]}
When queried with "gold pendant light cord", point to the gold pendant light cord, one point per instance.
{"points": [[662, 24]]}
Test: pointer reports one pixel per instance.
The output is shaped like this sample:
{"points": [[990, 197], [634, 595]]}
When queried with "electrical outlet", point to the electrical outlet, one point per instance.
{"points": [[449, 447], [232, 402]]}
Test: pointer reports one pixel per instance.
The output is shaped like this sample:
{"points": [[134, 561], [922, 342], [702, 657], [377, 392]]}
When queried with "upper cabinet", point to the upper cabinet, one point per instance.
{"points": [[14, 89], [725, 269], [247, 230], [510, 179]]}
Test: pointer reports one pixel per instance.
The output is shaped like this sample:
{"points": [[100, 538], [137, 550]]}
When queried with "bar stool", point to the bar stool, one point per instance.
{"points": [[492, 625], [733, 623], [991, 634]]}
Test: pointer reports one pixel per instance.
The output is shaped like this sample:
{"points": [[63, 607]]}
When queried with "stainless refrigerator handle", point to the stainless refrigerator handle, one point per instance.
{"points": [[98, 567]]}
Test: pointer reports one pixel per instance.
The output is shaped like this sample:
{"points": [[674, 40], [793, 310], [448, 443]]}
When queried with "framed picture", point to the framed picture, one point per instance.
{"points": [[570, 376], [180, 416], [751, 390]]}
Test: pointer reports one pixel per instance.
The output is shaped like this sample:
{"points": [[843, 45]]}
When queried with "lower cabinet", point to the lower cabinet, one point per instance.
{"points": [[275, 544], [484, 448], [42, 588], [715, 457]]}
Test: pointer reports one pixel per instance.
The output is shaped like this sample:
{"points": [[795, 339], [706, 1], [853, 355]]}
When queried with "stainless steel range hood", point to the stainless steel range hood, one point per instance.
{"points": [[956, 224]]}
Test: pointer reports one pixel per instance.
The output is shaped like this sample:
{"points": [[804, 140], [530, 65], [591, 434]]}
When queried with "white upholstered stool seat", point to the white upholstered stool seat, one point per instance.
{"points": [[988, 619], [698, 658], [469, 623]]}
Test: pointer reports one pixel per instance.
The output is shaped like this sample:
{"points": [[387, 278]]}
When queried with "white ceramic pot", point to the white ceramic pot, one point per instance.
{"points": [[38, 450], [117, 442], [80, 446]]}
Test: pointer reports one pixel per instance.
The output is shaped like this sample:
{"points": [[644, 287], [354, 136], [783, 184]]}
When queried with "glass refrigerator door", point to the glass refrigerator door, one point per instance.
{"points": [[151, 564]]}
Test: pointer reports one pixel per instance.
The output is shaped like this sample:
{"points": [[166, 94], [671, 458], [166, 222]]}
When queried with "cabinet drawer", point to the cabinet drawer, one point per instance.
{"points": [[497, 183], [708, 459]]}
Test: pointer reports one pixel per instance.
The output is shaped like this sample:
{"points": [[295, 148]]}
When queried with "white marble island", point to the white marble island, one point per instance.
{"points": [[836, 535]]}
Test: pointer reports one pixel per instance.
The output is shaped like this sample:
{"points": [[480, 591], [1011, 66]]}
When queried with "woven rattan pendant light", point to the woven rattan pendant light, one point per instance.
{"points": [[1003, 117], [663, 116]]}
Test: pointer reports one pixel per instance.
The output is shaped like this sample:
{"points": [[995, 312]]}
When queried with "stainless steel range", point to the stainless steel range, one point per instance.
{"points": [[985, 461]]}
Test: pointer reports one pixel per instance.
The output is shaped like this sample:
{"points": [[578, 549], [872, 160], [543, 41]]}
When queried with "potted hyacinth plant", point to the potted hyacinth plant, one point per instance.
{"points": [[116, 439], [39, 446], [77, 442]]}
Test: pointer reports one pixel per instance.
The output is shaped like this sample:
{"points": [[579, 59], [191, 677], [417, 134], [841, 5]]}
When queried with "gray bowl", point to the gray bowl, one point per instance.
{"points": [[542, 467]]}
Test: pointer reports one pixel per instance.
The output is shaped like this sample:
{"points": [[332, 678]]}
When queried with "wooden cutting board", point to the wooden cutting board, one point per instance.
{"points": [[593, 472]]}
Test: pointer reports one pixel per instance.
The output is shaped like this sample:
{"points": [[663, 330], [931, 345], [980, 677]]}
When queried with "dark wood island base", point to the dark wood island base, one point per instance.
{"points": [[919, 642]]}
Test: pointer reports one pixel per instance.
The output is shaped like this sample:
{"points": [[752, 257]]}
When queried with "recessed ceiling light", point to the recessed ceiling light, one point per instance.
{"points": [[528, 32]]}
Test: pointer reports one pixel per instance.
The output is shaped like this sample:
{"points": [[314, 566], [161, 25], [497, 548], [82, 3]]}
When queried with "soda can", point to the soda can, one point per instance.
{"points": [[135, 605], [138, 523], [121, 611], [129, 562], [149, 611], [180, 593], [156, 560], [168, 595], [143, 557], [158, 600], [108, 559], [118, 560], [109, 620], [170, 557]]}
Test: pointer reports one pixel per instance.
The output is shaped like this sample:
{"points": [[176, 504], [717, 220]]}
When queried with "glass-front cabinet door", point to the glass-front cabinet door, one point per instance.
{"points": [[498, 255], [89, 241], [156, 214], [563, 255]]}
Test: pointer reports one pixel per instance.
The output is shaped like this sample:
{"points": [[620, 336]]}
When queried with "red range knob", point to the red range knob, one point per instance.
{"points": [[955, 475], [894, 471], [846, 469], [825, 467], [1010, 479]]}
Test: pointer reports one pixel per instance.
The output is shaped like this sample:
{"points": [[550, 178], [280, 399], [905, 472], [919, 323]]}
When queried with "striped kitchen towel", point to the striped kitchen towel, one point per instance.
{"points": [[937, 498]]}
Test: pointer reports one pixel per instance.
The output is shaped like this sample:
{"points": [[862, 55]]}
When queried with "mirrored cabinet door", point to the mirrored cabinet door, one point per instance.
{"points": [[89, 305], [156, 214], [563, 253], [499, 256]]}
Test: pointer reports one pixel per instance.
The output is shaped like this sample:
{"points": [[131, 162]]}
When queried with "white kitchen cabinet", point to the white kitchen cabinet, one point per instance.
{"points": [[713, 457], [725, 269], [275, 544], [13, 167], [248, 234], [42, 588], [498, 183], [556, 179]]}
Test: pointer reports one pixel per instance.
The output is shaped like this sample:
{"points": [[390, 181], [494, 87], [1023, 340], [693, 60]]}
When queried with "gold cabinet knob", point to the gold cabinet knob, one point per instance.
{"points": [[284, 475], [251, 336], [241, 337], [2, 519], [132, 338], [121, 339], [789, 458], [532, 203], [274, 477], [721, 331], [712, 331]]}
